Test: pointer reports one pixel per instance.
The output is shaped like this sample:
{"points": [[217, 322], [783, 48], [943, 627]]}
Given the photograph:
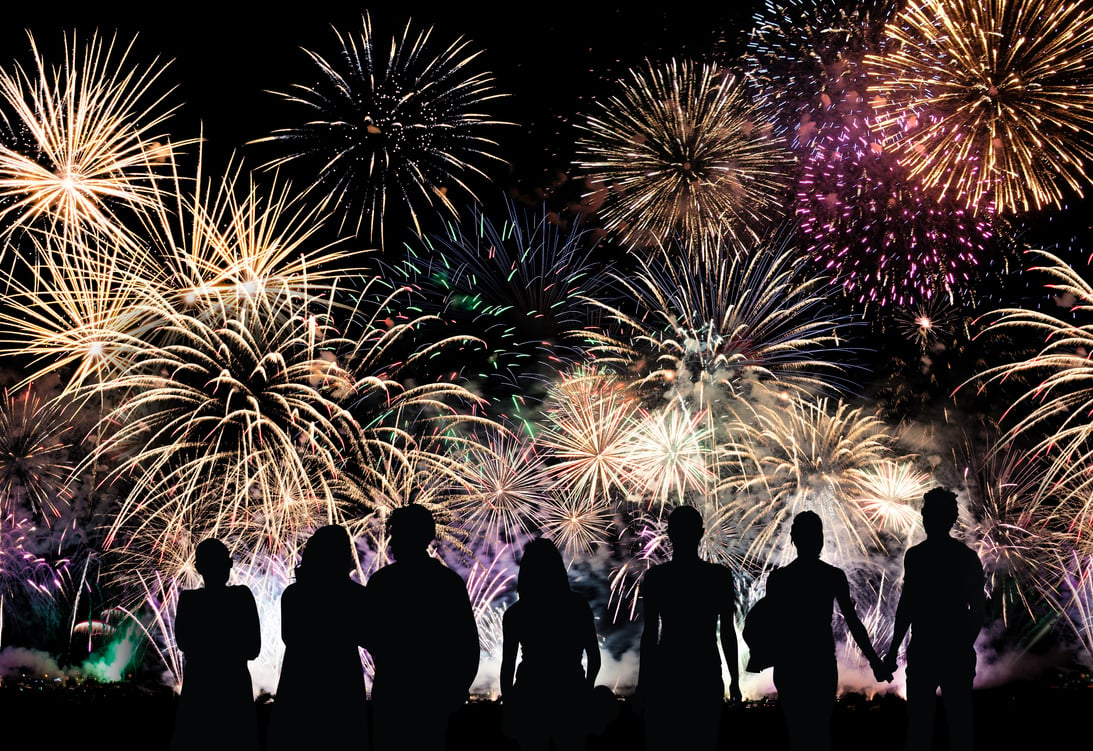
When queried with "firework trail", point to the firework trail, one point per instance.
{"points": [[693, 326], [82, 138], [809, 455], [518, 285], [1051, 415], [35, 446], [392, 125], [1015, 533], [803, 59], [988, 102], [686, 156], [876, 231]]}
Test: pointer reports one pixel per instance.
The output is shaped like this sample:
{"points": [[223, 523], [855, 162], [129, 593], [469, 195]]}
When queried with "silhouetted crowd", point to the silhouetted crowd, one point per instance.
{"points": [[415, 620]]}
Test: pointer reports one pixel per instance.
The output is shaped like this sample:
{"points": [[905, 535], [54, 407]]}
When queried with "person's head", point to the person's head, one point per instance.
{"points": [[807, 534], [213, 561], [411, 529], [542, 570], [685, 528], [939, 511], [327, 554]]}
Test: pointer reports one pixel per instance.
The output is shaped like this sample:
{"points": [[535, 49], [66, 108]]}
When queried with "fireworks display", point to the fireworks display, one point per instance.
{"points": [[392, 124], [685, 155], [988, 102], [804, 56], [81, 135], [779, 237]]}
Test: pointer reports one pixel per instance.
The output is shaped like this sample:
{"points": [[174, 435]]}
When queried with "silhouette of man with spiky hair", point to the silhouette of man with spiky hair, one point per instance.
{"points": [[424, 639], [679, 676], [943, 605]]}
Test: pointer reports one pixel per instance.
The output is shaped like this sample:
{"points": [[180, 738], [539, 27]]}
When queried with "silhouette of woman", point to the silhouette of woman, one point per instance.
{"points": [[217, 629], [321, 697], [805, 671], [552, 627]]}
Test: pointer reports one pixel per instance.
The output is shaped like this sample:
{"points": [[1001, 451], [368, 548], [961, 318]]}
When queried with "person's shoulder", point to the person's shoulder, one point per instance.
{"points": [[241, 592], [717, 571], [968, 554]]}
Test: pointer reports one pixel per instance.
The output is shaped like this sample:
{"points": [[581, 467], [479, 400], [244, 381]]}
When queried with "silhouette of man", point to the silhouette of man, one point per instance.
{"points": [[679, 676], [424, 639], [806, 673], [218, 631], [943, 605]]}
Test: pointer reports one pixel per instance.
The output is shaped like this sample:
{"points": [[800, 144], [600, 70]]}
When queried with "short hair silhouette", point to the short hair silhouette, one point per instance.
{"points": [[685, 525], [542, 570], [213, 561], [807, 533], [211, 551], [328, 552], [939, 509], [413, 525]]}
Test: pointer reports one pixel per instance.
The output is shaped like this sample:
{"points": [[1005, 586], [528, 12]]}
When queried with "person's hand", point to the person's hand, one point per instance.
{"points": [[734, 692], [881, 671], [890, 663]]}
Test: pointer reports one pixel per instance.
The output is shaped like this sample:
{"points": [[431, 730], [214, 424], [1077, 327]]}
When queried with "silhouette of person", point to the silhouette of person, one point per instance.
{"points": [[218, 631], [321, 701], [424, 639], [680, 686], [805, 671], [943, 605], [552, 627]]}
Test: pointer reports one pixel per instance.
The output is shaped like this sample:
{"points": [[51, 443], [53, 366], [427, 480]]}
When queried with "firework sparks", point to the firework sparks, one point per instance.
{"points": [[510, 482], [87, 133], [803, 58], [1011, 528], [890, 493], [576, 522], [588, 429], [989, 101], [1057, 405], [392, 129], [518, 285], [880, 234], [685, 156], [723, 326], [809, 455], [34, 454]]}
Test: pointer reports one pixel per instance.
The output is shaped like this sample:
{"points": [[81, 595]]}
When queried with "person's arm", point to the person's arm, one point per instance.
{"points": [[510, 644], [292, 620], [903, 614], [468, 645], [251, 642], [729, 645], [977, 598], [650, 633], [185, 637], [857, 628], [591, 647]]}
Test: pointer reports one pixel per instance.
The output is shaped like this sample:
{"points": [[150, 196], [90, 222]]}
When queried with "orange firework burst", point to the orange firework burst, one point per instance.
{"points": [[989, 101], [82, 140]]}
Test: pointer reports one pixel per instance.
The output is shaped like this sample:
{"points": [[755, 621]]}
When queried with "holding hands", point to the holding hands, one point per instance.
{"points": [[882, 670]]}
